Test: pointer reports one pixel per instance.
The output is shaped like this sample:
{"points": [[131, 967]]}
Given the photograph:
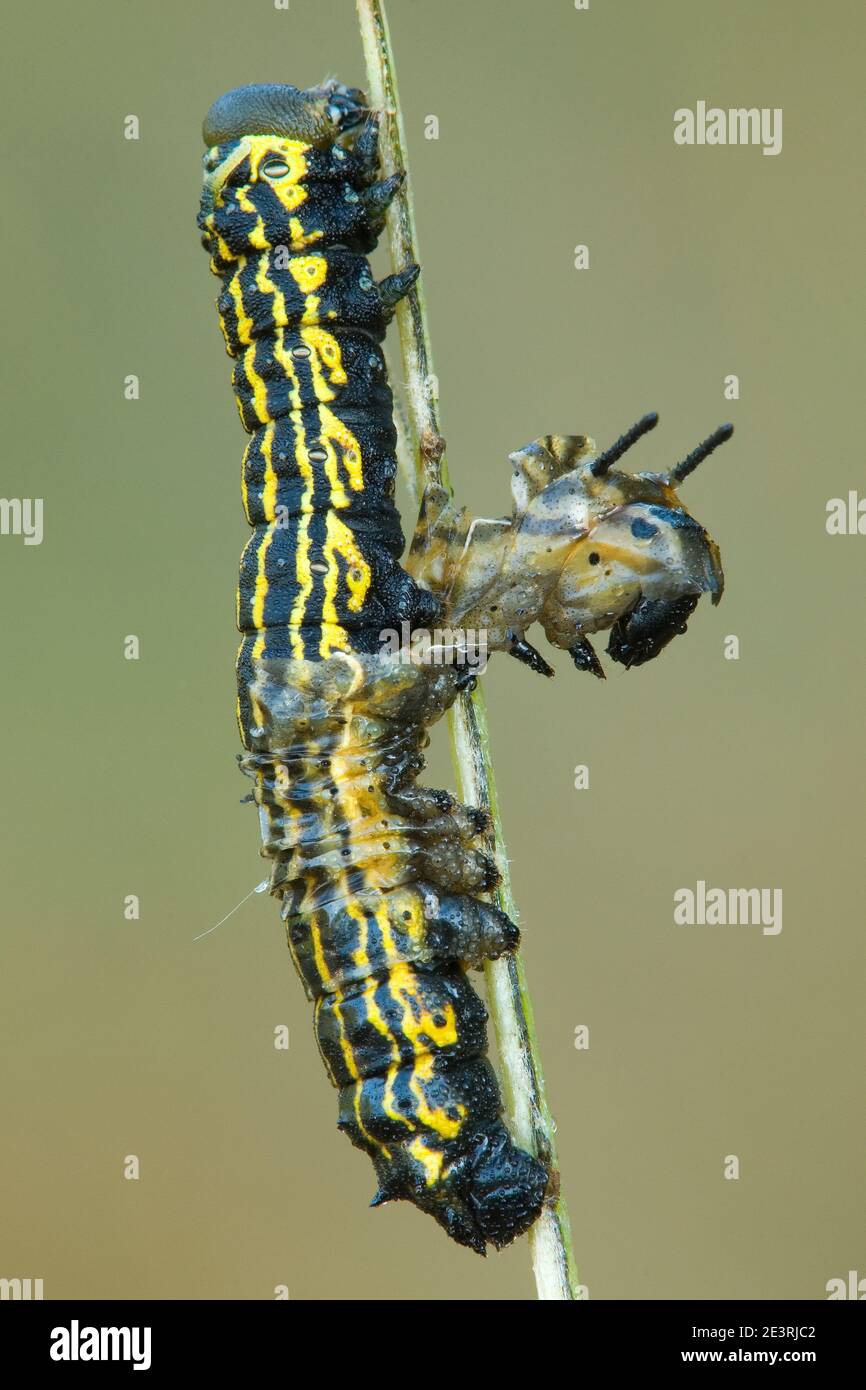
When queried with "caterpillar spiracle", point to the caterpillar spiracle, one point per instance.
{"points": [[382, 882]]}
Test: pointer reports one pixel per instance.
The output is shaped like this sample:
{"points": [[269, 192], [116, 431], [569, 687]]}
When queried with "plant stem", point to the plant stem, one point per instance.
{"points": [[508, 995]]}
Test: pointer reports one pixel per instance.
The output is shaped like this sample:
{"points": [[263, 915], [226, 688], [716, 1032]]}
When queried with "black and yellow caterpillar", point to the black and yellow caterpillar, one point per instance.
{"points": [[381, 881]]}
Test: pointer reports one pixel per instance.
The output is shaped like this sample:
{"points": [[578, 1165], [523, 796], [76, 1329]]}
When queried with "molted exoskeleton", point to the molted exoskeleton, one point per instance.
{"points": [[587, 548]]}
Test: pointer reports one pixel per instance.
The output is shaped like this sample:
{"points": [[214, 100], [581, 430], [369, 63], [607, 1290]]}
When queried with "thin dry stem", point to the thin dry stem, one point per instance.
{"points": [[424, 461]]}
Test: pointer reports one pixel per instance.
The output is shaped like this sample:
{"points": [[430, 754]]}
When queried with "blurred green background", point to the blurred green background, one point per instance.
{"points": [[556, 128]]}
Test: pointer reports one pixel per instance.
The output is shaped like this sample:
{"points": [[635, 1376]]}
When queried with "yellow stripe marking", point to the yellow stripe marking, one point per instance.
{"points": [[431, 1160]]}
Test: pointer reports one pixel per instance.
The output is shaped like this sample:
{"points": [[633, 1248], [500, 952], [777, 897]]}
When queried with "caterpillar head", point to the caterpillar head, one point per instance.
{"points": [[638, 562], [318, 116], [259, 133]]}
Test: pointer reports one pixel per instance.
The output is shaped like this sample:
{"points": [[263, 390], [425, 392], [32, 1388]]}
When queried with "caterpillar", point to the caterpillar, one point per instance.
{"points": [[382, 883]]}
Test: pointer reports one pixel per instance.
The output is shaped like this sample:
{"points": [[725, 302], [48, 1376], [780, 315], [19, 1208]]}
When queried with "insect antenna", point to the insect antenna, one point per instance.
{"points": [[599, 466], [688, 465]]}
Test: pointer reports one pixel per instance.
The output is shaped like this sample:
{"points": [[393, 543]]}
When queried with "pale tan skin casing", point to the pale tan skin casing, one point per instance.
{"points": [[577, 554]]}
